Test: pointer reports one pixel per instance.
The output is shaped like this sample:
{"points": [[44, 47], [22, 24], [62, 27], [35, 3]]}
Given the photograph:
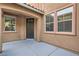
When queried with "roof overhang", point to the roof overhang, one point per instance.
{"points": [[33, 9]]}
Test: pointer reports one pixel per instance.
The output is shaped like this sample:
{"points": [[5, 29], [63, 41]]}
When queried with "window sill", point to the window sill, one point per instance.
{"points": [[61, 33], [66, 33], [49, 32], [9, 31]]}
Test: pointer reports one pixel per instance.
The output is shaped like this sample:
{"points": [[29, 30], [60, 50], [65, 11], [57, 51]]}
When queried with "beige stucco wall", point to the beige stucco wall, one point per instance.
{"points": [[66, 41]]}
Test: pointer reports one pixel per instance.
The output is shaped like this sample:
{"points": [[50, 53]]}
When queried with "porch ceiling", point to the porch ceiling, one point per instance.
{"points": [[16, 13]]}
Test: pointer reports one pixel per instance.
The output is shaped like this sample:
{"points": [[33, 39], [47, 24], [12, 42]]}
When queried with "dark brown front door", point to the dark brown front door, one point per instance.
{"points": [[30, 28]]}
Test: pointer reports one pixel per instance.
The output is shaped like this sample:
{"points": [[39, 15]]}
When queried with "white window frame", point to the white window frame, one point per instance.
{"points": [[73, 22], [45, 24], [63, 21], [4, 23], [74, 14]]}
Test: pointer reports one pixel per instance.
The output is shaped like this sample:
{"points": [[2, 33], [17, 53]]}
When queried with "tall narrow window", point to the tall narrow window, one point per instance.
{"points": [[65, 20], [9, 23], [50, 22]]}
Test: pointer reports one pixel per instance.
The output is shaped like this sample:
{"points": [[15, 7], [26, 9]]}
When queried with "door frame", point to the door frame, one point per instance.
{"points": [[35, 28]]}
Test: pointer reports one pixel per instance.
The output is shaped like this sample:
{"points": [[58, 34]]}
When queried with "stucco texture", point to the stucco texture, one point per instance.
{"points": [[70, 42]]}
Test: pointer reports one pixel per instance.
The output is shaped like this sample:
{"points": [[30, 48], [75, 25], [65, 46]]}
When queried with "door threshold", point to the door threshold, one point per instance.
{"points": [[30, 38]]}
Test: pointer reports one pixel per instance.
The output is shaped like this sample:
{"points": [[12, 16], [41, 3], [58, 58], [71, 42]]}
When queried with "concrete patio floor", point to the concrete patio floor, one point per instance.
{"points": [[32, 48]]}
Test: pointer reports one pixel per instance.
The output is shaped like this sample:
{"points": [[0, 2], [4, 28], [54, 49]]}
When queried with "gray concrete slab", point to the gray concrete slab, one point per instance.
{"points": [[32, 48], [62, 52]]}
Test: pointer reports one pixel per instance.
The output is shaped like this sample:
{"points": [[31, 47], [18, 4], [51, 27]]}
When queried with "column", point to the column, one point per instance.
{"points": [[38, 29]]}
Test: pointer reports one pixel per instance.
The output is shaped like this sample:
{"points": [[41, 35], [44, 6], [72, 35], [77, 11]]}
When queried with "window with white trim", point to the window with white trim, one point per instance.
{"points": [[64, 18], [50, 22], [10, 24]]}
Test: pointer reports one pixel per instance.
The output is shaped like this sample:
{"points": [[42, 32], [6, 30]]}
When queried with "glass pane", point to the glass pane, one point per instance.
{"points": [[60, 18], [13, 21], [68, 26], [65, 11], [49, 18], [68, 16], [60, 26], [9, 23], [49, 22], [12, 27], [49, 27]]}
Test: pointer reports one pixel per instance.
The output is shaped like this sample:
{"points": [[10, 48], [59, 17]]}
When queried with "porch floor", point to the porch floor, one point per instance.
{"points": [[32, 48]]}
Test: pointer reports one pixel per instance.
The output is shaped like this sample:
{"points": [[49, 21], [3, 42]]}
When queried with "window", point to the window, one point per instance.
{"points": [[62, 21], [50, 22], [9, 23], [64, 18]]}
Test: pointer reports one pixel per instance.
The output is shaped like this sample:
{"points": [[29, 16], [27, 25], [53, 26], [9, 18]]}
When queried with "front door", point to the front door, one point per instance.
{"points": [[30, 28]]}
